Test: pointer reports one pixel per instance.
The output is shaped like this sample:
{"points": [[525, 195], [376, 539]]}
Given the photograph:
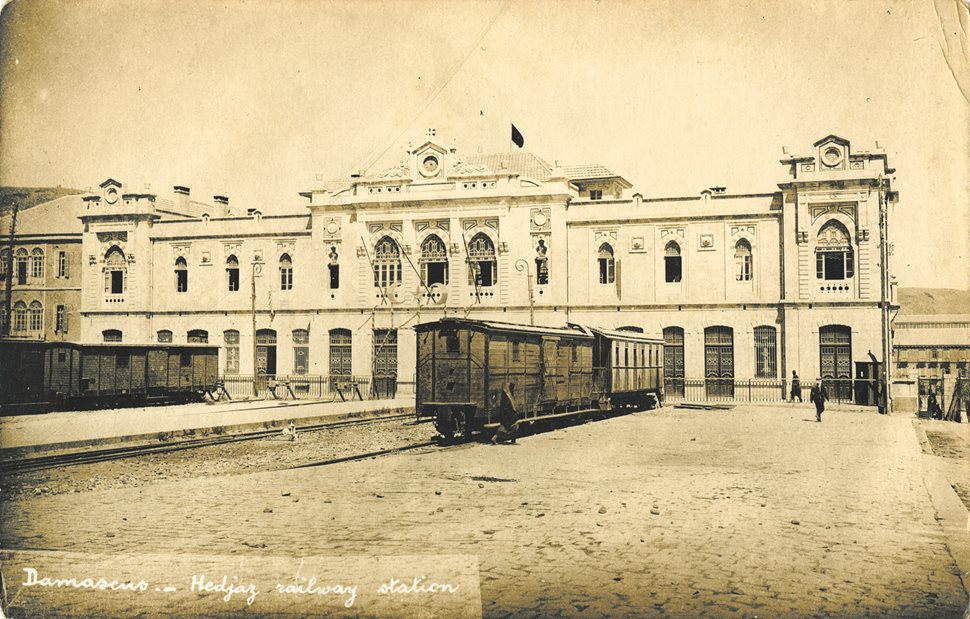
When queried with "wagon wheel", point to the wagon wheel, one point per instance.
{"points": [[447, 430]]}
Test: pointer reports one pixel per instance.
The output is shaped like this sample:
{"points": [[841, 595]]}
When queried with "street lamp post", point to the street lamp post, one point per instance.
{"points": [[257, 269], [523, 265]]}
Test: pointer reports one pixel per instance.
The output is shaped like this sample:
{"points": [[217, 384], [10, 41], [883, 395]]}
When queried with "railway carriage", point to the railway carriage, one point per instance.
{"points": [[463, 366], [40, 376]]}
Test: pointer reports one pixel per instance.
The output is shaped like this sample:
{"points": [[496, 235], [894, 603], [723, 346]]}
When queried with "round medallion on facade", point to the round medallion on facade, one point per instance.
{"points": [[111, 195], [539, 219], [332, 227], [832, 156], [430, 165]]}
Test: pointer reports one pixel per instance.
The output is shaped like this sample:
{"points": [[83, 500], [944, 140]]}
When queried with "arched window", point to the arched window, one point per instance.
{"points": [[765, 352], [833, 252], [673, 268], [484, 264], [4, 263], [232, 273], [607, 264], [37, 262], [36, 316], [197, 336], [387, 263], [286, 272], [19, 316], [742, 261], [111, 335], [20, 264], [181, 275], [719, 361], [434, 261], [301, 351], [340, 352], [231, 338], [164, 336], [115, 267], [674, 361]]}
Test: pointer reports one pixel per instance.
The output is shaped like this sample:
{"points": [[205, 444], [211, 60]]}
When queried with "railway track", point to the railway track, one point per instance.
{"points": [[23, 465]]}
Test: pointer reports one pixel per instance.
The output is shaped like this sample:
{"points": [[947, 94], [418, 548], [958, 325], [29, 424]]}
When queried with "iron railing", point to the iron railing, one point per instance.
{"points": [[306, 387], [840, 390]]}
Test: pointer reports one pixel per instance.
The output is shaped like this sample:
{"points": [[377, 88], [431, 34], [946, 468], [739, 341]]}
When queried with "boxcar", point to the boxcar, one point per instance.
{"points": [[39, 376], [463, 365], [628, 367]]}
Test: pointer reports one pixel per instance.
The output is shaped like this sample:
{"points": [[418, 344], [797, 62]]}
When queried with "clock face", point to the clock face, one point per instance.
{"points": [[430, 165], [831, 156]]}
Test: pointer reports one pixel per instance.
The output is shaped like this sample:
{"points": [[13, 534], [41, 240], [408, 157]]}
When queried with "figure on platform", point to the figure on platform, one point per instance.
{"points": [[542, 263], [508, 417], [796, 387], [818, 396]]}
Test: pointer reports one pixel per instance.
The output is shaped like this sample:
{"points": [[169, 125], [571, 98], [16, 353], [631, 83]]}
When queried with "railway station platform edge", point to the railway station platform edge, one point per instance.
{"points": [[23, 435]]}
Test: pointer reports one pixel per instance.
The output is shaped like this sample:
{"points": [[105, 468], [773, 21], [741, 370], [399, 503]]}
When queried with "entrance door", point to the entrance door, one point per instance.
{"points": [[385, 363], [265, 356], [674, 362], [719, 362], [835, 361]]}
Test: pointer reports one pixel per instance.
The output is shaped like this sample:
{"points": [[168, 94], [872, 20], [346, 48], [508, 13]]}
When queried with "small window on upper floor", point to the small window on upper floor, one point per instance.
{"points": [[673, 271], [607, 264], [595, 194], [742, 261], [181, 275], [62, 264]]}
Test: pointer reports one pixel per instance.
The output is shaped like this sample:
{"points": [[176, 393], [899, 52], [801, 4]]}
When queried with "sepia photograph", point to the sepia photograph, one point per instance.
{"points": [[484, 308]]}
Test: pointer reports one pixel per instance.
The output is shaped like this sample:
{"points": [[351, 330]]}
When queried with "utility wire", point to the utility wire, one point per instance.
{"points": [[437, 91]]}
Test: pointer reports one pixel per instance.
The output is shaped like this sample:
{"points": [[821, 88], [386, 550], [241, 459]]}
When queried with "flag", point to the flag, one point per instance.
{"points": [[517, 137]]}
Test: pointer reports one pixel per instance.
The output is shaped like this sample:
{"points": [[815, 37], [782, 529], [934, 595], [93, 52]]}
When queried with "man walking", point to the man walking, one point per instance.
{"points": [[796, 387], [818, 396]]}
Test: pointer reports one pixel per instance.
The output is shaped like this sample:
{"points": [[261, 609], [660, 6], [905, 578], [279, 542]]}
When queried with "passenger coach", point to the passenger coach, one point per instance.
{"points": [[463, 366]]}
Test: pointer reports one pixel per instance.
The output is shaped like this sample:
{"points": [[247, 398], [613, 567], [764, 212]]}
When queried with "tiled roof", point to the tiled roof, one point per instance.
{"points": [[521, 163], [592, 170]]}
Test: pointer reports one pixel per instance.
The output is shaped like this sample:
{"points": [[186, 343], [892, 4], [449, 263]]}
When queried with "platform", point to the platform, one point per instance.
{"points": [[23, 434]]}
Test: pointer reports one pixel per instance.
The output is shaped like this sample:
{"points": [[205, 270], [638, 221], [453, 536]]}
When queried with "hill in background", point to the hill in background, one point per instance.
{"points": [[27, 197], [933, 301]]}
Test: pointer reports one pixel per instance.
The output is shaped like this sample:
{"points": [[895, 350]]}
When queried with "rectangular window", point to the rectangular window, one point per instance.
{"points": [[232, 351], [164, 337], [117, 282], [452, 343], [764, 352], [516, 352], [286, 278], [334, 276], [301, 351], [60, 319], [181, 280], [595, 194], [233, 275], [37, 265], [36, 318], [62, 264], [22, 271]]}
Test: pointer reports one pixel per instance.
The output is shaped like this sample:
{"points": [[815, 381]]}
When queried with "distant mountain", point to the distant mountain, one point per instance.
{"points": [[933, 301], [27, 197]]}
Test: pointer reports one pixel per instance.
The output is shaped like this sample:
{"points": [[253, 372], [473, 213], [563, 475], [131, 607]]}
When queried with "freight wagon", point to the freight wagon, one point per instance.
{"points": [[463, 366], [44, 376]]}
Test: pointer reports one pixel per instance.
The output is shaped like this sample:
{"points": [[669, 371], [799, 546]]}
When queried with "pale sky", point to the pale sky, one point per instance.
{"points": [[256, 100]]}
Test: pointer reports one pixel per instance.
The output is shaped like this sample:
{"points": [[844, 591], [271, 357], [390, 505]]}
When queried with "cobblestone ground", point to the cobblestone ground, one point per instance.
{"points": [[749, 512]]}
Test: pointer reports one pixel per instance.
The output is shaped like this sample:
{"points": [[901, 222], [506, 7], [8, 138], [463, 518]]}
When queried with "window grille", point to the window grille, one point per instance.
{"points": [[111, 335], [341, 352], [385, 352], [164, 336], [198, 336], [765, 355], [301, 351]]}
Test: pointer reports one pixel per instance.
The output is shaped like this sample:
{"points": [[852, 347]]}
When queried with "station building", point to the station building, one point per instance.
{"points": [[744, 289]]}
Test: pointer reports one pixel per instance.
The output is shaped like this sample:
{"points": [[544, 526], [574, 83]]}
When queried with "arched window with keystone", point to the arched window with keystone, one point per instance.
{"points": [[834, 258]]}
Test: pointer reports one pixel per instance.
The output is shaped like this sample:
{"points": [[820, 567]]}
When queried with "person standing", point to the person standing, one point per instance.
{"points": [[796, 387], [818, 396], [508, 417]]}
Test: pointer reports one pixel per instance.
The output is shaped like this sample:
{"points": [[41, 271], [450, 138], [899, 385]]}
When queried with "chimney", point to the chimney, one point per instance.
{"points": [[222, 202], [181, 198]]}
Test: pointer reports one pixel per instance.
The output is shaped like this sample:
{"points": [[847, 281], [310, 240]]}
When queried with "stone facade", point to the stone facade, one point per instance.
{"points": [[754, 285]]}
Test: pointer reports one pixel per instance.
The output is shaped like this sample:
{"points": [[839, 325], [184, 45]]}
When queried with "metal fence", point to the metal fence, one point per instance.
{"points": [[308, 387], [842, 390]]}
